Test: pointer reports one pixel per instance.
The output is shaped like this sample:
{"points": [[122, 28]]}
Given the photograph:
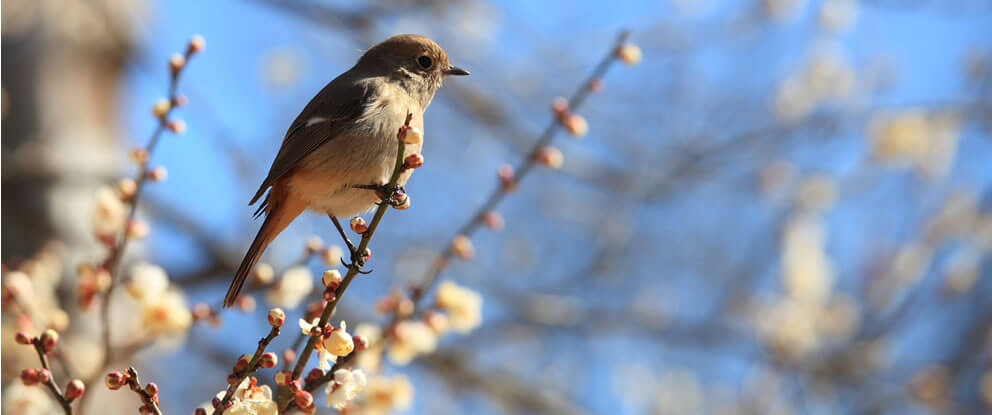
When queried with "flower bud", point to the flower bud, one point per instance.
{"points": [[358, 225], [411, 135], [199, 411], [242, 363], [576, 125], [462, 246], [596, 85], [330, 294], [282, 377], [151, 389], [245, 303], [413, 161], [29, 377], [289, 355], [268, 360], [22, 337], [550, 157], [177, 126], [331, 278], [559, 106], [314, 244], [367, 254], [196, 45], [331, 255], [493, 220], [115, 380], [506, 178], [179, 101], [629, 54], [314, 375], [138, 155], [233, 379], [176, 63], [48, 339], [361, 343], [43, 375], [74, 389], [303, 398], [436, 321], [126, 187], [136, 229], [158, 174], [277, 317], [264, 273], [161, 107], [339, 343]]}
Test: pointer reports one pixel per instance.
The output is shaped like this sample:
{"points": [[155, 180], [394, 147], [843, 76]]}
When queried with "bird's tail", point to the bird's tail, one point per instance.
{"points": [[282, 209]]}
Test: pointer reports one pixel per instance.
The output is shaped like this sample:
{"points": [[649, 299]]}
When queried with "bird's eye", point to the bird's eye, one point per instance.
{"points": [[424, 62]]}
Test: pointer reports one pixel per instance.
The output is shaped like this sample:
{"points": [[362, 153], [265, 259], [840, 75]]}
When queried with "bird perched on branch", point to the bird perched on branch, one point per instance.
{"points": [[346, 136]]}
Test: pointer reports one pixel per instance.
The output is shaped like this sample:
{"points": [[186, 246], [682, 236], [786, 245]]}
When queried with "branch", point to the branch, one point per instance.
{"points": [[119, 242], [245, 367], [353, 270]]}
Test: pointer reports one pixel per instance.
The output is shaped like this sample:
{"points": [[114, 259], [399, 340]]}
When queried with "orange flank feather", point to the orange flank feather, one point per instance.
{"points": [[283, 206]]}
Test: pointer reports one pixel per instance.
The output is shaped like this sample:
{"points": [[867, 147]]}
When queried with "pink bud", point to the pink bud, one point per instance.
{"points": [[177, 126], [22, 337], [44, 375], [361, 343], [282, 377], [48, 339], [462, 246], [330, 294], [157, 174], [151, 389], [74, 389], [242, 362], [493, 220], [196, 45], [506, 178], [245, 303], [180, 101], [550, 157], [331, 278], [268, 360], [559, 106], [596, 85], [29, 377], [576, 125], [303, 398], [314, 374], [139, 155], [413, 161], [358, 225], [136, 229], [233, 379], [277, 317], [115, 380], [200, 411], [289, 355], [176, 63]]}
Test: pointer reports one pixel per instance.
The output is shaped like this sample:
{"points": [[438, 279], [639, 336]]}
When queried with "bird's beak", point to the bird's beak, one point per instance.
{"points": [[454, 70]]}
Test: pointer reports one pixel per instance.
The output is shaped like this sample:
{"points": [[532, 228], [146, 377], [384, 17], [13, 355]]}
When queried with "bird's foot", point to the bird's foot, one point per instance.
{"points": [[391, 194]]}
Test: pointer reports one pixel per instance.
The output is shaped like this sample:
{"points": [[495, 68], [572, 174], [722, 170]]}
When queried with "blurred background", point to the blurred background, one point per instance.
{"points": [[786, 208]]}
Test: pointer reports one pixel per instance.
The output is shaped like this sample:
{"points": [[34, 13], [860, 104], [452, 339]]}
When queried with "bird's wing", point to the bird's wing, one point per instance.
{"points": [[332, 110]]}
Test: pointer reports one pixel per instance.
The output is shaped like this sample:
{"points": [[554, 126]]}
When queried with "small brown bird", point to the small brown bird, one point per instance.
{"points": [[346, 136]]}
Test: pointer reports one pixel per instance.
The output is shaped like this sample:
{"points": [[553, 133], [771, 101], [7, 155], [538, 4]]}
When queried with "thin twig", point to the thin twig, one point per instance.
{"points": [[150, 401], [50, 384], [354, 270], [248, 370], [113, 262]]}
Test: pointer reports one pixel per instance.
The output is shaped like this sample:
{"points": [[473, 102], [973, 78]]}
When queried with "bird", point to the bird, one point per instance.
{"points": [[345, 136]]}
